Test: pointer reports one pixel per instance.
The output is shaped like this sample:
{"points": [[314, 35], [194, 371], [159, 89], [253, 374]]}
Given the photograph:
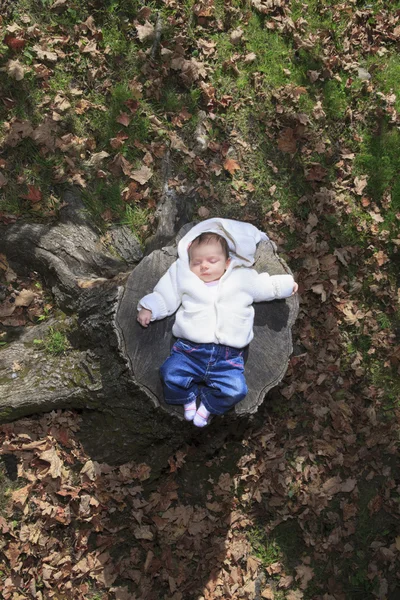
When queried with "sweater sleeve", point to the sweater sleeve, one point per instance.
{"points": [[271, 287], [164, 299]]}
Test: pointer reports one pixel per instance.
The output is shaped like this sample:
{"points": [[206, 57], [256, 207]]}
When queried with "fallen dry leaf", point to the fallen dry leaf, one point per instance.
{"points": [[143, 533], [20, 496], [51, 457], [287, 141], [6, 309], [58, 5], [97, 158], [25, 298], [61, 104], [359, 184], [14, 43], [319, 289], [124, 119], [44, 54], [381, 257], [90, 48], [295, 595], [231, 166], [15, 69], [236, 36], [304, 573], [34, 194], [268, 593], [203, 212], [145, 32], [204, 9], [249, 58], [316, 173], [91, 469], [142, 175]]}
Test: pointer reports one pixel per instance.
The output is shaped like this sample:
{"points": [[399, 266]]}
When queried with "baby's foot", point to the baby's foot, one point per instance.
{"points": [[202, 416], [190, 410]]}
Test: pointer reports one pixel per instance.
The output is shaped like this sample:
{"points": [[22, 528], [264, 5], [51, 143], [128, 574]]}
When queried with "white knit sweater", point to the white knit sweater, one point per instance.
{"points": [[224, 315]]}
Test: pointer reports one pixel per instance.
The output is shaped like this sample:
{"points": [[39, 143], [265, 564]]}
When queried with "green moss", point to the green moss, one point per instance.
{"points": [[5, 413]]}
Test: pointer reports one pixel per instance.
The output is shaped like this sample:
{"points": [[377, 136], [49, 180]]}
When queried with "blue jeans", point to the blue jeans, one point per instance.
{"points": [[211, 371]]}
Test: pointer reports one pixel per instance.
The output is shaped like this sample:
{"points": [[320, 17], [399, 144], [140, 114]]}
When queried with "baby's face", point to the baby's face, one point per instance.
{"points": [[208, 261]]}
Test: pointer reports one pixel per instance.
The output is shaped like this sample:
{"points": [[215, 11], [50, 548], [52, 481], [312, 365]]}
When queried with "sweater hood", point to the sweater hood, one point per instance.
{"points": [[242, 239]]}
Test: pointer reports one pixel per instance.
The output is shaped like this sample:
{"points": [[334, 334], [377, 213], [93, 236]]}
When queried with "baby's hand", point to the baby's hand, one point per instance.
{"points": [[295, 288], [144, 317]]}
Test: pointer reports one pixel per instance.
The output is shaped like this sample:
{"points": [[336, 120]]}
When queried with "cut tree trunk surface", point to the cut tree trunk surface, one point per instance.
{"points": [[266, 358]]}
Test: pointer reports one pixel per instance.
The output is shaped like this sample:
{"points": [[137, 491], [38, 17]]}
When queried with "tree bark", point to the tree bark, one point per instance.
{"points": [[32, 380], [70, 252]]}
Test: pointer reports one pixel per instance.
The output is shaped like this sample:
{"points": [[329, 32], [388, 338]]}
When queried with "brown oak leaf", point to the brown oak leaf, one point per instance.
{"points": [[14, 43], [231, 166], [316, 173], [287, 141], [304, 574], [359, 184], [44, 54], [15, 69], [124, 119], [51, 457], [142, 175], [145, 32], [25, 298], [34, 194]]}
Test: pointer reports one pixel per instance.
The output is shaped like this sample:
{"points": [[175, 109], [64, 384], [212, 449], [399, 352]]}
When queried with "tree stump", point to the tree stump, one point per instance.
{"points": [[266, 358], [110, 372]]}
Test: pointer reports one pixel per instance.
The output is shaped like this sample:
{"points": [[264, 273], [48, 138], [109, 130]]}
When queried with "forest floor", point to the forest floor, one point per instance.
{"points": [[282, 113]]}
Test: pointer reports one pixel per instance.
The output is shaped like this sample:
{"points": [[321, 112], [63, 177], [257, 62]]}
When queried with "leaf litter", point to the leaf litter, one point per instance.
{"points": [[325, 459]]}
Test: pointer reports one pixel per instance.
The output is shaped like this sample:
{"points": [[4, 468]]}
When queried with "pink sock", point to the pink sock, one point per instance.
{"points": [[190, 410], [201, 417]]}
